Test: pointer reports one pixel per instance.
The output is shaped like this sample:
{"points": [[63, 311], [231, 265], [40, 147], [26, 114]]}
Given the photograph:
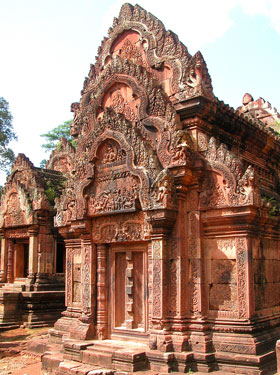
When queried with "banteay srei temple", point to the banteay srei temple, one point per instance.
{"points": [[168, 208], [32, 266]]}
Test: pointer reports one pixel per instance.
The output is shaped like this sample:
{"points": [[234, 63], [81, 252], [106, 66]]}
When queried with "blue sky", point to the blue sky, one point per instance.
{"points": [[47, 47]]}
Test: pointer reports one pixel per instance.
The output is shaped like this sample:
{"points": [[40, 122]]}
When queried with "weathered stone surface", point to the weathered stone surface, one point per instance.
{"points": [[32, 252], [169, 214]]}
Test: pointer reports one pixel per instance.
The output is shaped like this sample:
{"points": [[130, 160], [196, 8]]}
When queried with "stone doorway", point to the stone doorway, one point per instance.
{"points": [[128, 290], [21, 259]]}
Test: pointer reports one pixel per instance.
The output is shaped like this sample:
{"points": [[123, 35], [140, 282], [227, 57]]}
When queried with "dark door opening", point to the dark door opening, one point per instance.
{"points": [[60, 257]]}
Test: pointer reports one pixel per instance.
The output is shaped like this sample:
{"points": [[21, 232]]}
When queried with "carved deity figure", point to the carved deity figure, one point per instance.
{"points": [[164, 191], [181, 152], [77, 120], [196, 77], [110, 155]]}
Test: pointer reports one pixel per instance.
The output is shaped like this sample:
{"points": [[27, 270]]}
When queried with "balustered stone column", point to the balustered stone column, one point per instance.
{"points": [[3, 260], [102, 323], [33, 253], [10, 262], [129, 291]]}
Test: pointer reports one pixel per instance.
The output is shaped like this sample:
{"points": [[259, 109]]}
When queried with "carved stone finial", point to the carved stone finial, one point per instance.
{"points": [[247, 98]]}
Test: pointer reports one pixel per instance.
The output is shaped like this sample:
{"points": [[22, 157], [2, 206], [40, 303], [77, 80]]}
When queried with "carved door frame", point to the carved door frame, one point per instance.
{"points": [[127, 248]]}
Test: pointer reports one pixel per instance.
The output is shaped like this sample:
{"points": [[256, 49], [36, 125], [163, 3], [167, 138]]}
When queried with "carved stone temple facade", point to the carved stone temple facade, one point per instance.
{"points": [[170, 216], [32, 267]]}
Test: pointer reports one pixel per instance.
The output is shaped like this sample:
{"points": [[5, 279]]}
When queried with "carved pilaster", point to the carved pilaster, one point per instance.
{"points": [[88, 280], [10, 262], [102, 324], [244, 280], [3, 261], [159, 250], [197, 300]]}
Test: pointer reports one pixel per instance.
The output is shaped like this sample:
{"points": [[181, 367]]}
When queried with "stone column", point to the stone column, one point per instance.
{"points": [[33, 253], [3, 260], [102, 323], [159, 340], [10, 261]]}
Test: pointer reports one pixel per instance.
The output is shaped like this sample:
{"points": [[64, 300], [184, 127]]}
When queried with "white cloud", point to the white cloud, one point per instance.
{"points": [[269, 8], [202, 21]]}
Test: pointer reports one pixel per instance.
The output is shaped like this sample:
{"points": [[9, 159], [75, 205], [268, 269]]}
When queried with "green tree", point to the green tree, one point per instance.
{"points": [[53, 136], [7, 134]]}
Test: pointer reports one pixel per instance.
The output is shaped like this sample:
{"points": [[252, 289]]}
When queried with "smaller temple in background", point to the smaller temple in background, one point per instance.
{"points": [[260, 109], [32, 266]]}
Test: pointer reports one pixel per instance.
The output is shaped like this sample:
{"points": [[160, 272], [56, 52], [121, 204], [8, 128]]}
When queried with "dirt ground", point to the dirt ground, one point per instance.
{"points": [[13, 358]]}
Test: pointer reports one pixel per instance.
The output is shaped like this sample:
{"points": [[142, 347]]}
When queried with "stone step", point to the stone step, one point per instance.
{"points": [[51, 361], [126, 359], [76, 368]]}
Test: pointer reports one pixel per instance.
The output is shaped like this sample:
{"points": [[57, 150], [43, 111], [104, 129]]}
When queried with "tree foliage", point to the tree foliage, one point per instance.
{"points": [[7, 134], [53, 136]]}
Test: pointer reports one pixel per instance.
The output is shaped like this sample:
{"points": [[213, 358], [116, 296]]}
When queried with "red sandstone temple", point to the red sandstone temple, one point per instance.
{"points": [[170, 217], [32, 268]]}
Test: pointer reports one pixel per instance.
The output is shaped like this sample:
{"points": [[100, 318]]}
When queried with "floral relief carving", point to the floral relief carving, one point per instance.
{"points": [[120, 105], [173, 297], [158, 51], [157, 290], [86, 272], [227, 183], [132, 52], [128, 227], [241, 248], [194, 287]]}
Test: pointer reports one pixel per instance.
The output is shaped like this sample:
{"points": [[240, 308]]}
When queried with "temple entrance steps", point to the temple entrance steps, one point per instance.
{"points": [[16, 286], [108, 357], [121, 357]]}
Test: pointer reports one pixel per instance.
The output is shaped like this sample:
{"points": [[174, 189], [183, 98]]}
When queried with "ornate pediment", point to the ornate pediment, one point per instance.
{"points": [[27, 191], [227, 184], [62, 157], [16, 207], [141, 38], [125, 126]]}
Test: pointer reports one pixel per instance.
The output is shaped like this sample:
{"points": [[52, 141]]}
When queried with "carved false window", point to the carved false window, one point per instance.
{"points": [[128, 289]]}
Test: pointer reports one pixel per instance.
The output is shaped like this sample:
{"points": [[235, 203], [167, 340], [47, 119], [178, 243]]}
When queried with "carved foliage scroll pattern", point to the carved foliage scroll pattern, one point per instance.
{"points": [[194, 253], [132, 52], [227, 184], [157, 290], [195, 287], [133, 227], [158, 252], [86, 272], [241, 250], [69, 265], [173, 278]]}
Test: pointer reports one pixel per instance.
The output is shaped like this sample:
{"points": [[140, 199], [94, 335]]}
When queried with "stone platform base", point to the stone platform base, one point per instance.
{"points": [[124, 358], [30, 309]]}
